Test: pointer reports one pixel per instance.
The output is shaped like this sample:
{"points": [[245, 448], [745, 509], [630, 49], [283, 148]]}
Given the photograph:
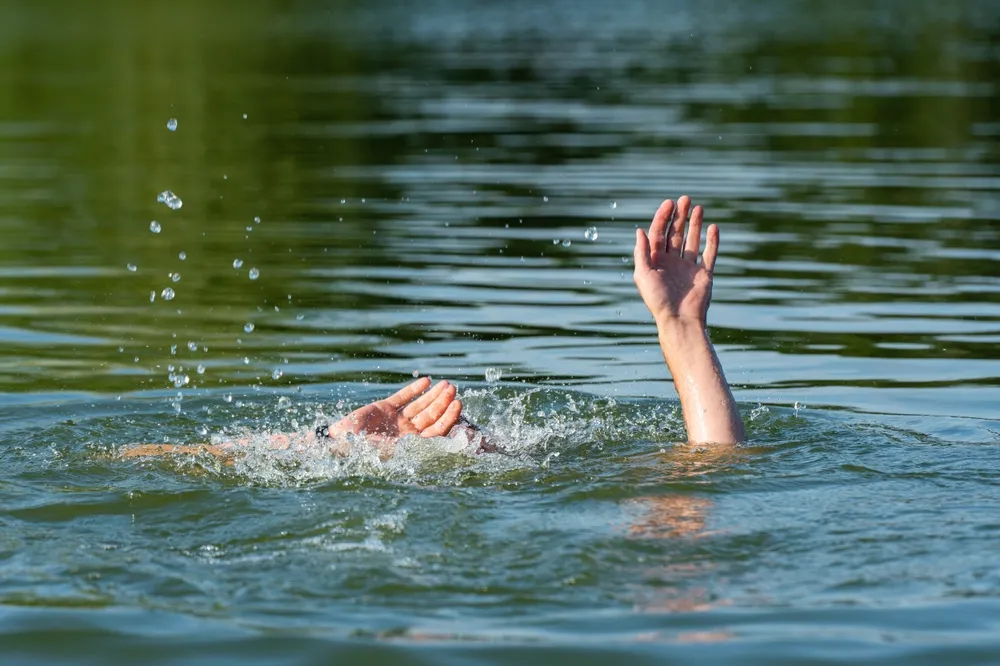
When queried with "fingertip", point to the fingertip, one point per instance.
{"points": [[640, 255]]}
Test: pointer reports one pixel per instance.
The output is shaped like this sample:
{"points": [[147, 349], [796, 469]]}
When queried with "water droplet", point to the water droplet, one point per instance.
{"points": [[614, 204], [244, 116], [152, 296], [555, 241], [256, 219], [182, 256], [624, 260], [172, 201], [420, 341], [254, 273], [167, 294], [493, 375], [567, 243], [228, 397], [416, 373], [248, 327], [172, 125], [276, 373], [155, 227], [192, 346], [249, 229], [237, 263], [132, 268], [200, 369], [175, 277], [299, 317], [545, 199], [590, 234], [246, 360]]}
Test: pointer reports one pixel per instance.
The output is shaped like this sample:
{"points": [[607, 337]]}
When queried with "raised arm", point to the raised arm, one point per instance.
{"points": [[677, 290]]}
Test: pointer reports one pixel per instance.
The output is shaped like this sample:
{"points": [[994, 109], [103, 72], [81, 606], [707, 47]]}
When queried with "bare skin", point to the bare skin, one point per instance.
{"points": [[677, 289], [413, 410]]}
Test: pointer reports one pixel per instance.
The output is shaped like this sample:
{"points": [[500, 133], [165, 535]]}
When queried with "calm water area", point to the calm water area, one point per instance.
{"points": [[375, 189]]}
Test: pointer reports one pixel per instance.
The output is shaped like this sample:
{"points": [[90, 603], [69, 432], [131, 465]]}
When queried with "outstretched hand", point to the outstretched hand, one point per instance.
{"points": [[406, 412], [672, 283]]}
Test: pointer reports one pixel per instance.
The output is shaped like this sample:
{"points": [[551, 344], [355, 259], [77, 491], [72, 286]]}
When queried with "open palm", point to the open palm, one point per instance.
{"points": [[670, 280], [406, 412]]}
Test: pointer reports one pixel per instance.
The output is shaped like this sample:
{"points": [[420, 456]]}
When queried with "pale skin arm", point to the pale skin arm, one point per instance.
{"points": [[413, 410], [677, 289]]}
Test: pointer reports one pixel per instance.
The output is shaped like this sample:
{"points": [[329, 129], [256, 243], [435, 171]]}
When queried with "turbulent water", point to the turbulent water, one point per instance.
{"points": [[363, 191]]}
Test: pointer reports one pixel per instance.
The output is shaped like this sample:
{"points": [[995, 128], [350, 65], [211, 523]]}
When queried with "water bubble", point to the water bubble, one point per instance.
{"points": [[614, 204], [567, 243], [256, 219], [172, 200], [276, 373], [237, 263], [248, 327], [590, 234], [132, 268], [228, 397], [254, 273], [182, 256], [200, 369], [493, 375], [167, 294], [172, 124], [175, 277], [155, 227]]}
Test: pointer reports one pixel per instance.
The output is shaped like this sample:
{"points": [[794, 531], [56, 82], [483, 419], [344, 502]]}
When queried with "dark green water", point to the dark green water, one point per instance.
{"points": [[424, 178]]}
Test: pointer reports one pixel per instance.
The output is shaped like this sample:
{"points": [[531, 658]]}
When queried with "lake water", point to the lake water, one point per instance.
{"points": [[425, 181]]}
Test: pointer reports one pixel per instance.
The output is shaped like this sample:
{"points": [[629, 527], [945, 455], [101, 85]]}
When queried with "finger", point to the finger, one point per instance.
{"points": [[434, 410], [711, 248], [408, 392], [693, 241], [421, 403], [443, 425], [640, 255], [658, 229], [675, 240]]}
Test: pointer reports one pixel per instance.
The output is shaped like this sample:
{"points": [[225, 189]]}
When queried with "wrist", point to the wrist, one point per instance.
{"points": [[673, 325]]}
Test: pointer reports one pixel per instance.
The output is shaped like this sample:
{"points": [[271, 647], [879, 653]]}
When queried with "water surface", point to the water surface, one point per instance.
{"points": [[425, 182]]}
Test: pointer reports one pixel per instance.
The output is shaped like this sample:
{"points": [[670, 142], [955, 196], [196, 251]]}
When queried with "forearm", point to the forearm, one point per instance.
{"points": [[710, 412]]}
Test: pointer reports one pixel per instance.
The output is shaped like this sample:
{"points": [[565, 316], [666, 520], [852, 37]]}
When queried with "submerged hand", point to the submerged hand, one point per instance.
{"points": [[671, 282], [406, 412]]}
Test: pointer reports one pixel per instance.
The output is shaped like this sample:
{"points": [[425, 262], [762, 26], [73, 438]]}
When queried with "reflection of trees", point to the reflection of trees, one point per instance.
{"points": [[89, 96], [338, 96]]}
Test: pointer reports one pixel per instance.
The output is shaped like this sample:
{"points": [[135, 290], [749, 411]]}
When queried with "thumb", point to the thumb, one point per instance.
{"points": [[641, 254]]}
